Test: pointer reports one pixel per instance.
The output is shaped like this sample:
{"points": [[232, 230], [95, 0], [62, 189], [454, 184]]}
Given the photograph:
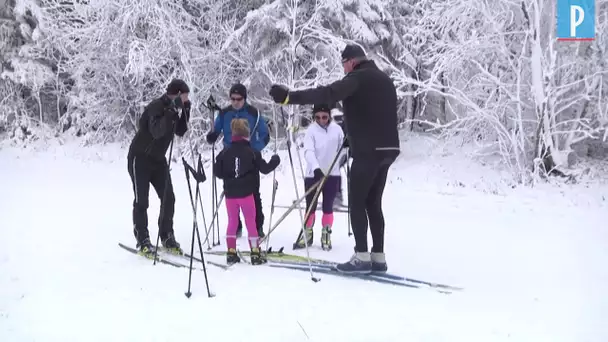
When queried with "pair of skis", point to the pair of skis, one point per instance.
{"points": [[279, 260], [300, 263], [167, 258]]}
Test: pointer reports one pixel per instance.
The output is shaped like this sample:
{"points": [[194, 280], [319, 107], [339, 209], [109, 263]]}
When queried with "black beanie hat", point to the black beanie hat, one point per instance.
{"points": [[177, 86], [239, 89], [352, 51], [321, 108]]}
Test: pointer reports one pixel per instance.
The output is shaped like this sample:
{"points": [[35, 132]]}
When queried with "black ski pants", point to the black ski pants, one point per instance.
{"points": [[259, 213], [368, 179], [145, 171]]}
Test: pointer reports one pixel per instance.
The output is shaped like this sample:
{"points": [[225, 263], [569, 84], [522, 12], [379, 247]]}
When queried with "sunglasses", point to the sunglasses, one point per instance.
{"points": [[236, 99], [321, 117]]}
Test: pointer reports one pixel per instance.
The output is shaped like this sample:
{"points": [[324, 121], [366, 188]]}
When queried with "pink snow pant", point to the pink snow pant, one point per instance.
{"points": [[233, 208]]}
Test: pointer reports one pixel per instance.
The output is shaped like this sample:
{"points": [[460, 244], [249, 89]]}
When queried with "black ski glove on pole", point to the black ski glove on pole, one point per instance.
{"points": [[279, 94], [212, 137], [318, 173]]}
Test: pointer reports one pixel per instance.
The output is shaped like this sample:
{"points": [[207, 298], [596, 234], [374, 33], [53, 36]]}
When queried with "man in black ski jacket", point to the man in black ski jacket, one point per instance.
{"points": [[147, 164], [369, 100]]}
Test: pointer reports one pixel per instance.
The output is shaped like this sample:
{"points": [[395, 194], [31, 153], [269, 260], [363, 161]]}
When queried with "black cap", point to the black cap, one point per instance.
{"points": [[238, 89], [352, 51], [321, 108], [177, 86]]}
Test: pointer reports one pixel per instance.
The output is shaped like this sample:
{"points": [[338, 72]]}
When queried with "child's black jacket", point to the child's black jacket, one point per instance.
{"points": [[239, 166]]}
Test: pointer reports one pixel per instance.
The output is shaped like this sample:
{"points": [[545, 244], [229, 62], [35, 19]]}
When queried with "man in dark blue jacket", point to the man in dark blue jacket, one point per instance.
{"points": [[259, 137]]}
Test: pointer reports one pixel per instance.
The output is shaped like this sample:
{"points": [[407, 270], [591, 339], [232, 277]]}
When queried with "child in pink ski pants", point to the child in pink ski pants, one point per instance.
{"points": [[239, 166]]}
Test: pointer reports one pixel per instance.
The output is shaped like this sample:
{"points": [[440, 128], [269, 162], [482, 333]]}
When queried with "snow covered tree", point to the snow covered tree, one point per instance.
{"points": [[284, 42], [505, 85], [25, 97]]}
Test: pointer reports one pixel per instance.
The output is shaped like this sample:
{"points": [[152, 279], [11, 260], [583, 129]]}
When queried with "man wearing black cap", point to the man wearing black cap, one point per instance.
{"points": [[147, 163], [369, 100], [258, 139]]}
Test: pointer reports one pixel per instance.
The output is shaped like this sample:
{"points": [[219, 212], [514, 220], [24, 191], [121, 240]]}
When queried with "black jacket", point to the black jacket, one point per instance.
{"points": [[369, 100], [156, 129], [239, 165]]}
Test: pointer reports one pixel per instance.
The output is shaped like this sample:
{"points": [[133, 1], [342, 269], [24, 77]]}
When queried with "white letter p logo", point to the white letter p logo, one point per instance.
{"points": [[577, 16]]}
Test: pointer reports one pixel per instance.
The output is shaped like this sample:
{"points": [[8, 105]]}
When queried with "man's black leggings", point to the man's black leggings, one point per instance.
{"points": [[368, 179], [143, 172]]}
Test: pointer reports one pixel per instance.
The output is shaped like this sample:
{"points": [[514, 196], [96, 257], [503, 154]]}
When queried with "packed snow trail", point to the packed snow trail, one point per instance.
{"points": [[532, 261]]}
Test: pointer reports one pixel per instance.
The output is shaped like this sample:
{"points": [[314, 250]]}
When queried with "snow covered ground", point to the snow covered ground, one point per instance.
{"points": [[532, 261]]}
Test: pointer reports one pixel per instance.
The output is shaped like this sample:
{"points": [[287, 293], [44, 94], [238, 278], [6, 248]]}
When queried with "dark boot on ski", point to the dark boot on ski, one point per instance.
{"points": [[302, 242], [145, 248], [257, 258], [359, 263], [378, 262], [326, 238], [171, 245], [231, 257]]}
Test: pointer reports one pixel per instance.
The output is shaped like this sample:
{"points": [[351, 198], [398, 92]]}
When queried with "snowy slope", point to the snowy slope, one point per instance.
{"points": [[532, 261]]}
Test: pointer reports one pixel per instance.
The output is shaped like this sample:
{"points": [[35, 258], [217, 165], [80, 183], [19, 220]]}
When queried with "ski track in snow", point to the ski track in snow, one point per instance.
{"points": [[532, 261]]}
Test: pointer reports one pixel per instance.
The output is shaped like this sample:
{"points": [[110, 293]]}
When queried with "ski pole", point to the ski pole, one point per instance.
{"points": [[293, 131], [212, 106], [348, 191], [275, 184], [213, 196], [195, 230], [212, 219], [295, 187], [198, 196], [293, 172], [289, 210]]}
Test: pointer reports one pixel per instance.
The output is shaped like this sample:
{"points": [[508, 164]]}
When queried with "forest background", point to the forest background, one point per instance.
{"points": [[487, 73]]}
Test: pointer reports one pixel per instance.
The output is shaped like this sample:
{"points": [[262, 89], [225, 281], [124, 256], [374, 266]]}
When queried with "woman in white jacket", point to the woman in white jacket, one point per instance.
{"points": [[322, 142]]}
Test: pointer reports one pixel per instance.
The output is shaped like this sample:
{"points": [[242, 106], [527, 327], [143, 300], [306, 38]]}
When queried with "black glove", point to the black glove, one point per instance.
{"points": [[279, 94], [211, 104], [186, 110], [318, 173], [212, 137], [345, 143], [171, 113], [275, 158]]}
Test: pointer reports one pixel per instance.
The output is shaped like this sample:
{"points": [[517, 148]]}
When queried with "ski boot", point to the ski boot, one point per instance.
{"points": [[301, 241], [145, 248], [326, 238], [171, 245], [231, 257], [257, 258], [378, 262], [359, 263]]}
